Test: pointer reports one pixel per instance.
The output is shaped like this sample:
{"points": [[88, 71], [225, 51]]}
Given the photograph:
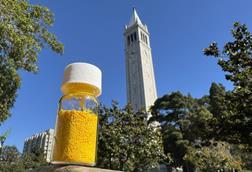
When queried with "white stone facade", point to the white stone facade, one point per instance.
{"points": [[43, 141], [140, 79]]}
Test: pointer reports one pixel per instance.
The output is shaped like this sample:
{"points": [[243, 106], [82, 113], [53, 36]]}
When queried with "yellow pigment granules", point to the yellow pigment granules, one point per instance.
{"points": [[76, 87], [76, 137]]}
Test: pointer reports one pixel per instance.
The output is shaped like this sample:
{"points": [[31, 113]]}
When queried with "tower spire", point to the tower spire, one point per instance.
{"points": [[134, 18]]}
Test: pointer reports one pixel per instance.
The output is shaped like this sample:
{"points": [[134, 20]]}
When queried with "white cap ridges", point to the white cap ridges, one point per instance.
{"points": [[83, 73]]}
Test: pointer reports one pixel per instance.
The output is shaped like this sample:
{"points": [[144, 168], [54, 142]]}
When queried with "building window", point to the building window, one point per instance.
{"points": [[146, 39], [135, 36]]}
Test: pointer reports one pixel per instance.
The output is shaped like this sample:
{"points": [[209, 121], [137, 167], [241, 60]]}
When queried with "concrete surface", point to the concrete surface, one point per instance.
{"points": [[71, 168]]}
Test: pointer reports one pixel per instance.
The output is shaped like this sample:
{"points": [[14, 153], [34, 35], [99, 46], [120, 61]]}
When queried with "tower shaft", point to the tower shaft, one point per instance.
{"points": [[140, 79]]}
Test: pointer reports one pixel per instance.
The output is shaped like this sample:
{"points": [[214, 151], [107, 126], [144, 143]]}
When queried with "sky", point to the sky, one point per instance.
{"points": [[92, 31]]}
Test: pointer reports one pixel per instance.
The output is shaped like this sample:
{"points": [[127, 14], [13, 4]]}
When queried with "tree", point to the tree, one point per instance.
{"points": [[2, 139], [10, 160], [180, 118], [126, 141], [10, 154], [189, 129], [236, 61], [23, 34], [219, 106], [214, 157], [33, 160]]}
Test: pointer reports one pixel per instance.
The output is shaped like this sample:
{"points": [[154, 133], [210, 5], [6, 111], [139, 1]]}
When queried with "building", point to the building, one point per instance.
{"points": [[43, 141], [140, 79]]}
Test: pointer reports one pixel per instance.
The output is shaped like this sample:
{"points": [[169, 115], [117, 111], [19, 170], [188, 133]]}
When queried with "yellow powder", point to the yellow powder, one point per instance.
{"points": [[76, 87], [76, 137]]}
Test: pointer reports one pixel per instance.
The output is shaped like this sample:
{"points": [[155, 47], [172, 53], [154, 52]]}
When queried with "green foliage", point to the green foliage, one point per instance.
{"points": [[14, 167], [244, 152], [23, 34], [213, 157], [11, 160], [34, 160], [9, 154], [3, 138], [190, 126], [126, 141], [218, 106], [184, 121], [236, 61], [10, 82]]}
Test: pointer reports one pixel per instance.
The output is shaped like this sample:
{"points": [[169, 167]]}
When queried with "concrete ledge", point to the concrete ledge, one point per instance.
{"points": [[71, 168]]}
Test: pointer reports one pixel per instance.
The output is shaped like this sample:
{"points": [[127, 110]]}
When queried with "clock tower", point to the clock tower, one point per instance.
{"points": [[140, 79]]}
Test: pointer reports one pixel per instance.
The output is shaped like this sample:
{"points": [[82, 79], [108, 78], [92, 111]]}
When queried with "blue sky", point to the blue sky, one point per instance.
{"points": [[92, 31]]}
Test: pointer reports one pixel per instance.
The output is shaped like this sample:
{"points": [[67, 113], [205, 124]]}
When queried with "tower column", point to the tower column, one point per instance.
{"points": [[140, 79]]}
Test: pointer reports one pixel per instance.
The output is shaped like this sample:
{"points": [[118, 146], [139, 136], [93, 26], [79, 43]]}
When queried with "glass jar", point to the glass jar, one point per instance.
{"points": [[76, 129]]}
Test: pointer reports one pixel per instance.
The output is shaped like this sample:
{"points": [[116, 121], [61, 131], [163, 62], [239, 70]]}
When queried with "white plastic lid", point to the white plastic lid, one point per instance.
{"points": [[83, 73]]}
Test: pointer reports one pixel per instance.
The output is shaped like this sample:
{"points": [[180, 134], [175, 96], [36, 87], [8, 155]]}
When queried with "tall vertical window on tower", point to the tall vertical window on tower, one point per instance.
{"points": [[135, 36], [146, 39], [131, 38], [128, 40]]}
